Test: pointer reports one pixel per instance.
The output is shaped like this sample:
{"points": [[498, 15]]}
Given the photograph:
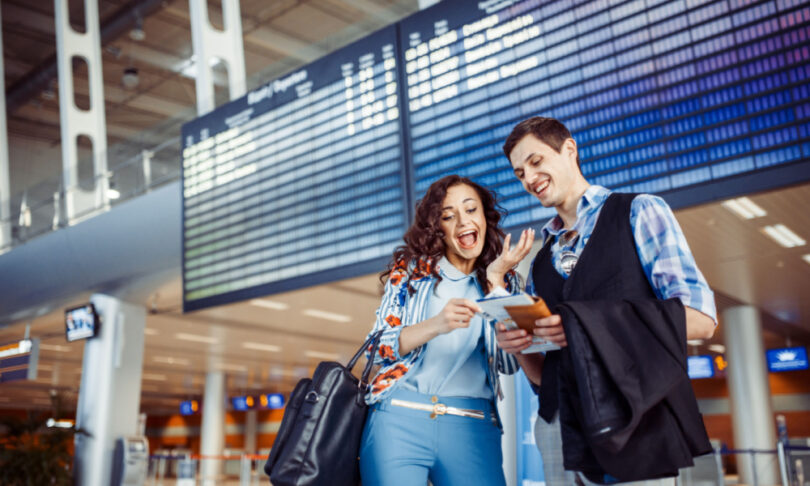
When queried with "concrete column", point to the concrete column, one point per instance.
{"points": [[506, 409], [110, 390], [5, 180], [250, 431], [750, 394], [213, 427]]}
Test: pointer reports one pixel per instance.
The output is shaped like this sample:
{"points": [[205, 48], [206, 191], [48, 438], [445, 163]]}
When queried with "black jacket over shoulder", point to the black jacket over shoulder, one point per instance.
{"points": [[626, 406]]}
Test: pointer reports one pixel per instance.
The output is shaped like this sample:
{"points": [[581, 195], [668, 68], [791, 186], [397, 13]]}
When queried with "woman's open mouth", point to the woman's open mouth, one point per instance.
{"points": [[468, 239]]}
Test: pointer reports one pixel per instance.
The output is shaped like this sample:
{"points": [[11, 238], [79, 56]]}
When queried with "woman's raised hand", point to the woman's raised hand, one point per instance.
{"points": [[509, 257]]}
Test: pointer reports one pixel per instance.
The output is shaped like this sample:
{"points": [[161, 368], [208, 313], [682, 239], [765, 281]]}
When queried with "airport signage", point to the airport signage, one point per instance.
{"points": [[700, 367], [787, 359], [18, 360]]}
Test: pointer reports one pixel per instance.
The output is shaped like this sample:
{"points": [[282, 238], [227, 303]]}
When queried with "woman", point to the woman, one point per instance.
{"points": [[432, 413]]}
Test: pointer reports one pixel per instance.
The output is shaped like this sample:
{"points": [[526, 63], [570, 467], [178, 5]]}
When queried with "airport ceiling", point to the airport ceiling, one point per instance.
{"points": [[267, 344]]}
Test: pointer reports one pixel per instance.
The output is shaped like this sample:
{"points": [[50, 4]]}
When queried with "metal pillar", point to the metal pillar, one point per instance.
{"points": [[750, 394], [250, 431], [5, 180], [213, 427], [507, 410], [110, 390], [80, 204], [211, 45]]}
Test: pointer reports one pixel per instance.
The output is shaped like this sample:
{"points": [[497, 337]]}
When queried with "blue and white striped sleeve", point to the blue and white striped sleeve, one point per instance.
{"points": [[665, 255], [389, 319]]}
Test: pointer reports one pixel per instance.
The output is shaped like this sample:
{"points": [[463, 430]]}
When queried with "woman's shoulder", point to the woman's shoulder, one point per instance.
{"points": [[410, 270]]}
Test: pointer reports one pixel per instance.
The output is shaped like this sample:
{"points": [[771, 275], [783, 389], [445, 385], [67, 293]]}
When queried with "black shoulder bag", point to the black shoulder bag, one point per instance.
{"points": [[319, 437]]}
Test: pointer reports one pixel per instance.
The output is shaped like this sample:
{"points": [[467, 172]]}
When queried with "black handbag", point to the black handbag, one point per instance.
{"points": [[319, 437]]}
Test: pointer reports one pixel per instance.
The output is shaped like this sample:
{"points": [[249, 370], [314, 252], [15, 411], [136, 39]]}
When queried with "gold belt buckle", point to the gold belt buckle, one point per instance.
{"points": [[438, 409]]}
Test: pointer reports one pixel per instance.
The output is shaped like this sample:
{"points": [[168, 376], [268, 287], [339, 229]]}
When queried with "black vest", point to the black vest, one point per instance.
{"points": [[608, 269]]}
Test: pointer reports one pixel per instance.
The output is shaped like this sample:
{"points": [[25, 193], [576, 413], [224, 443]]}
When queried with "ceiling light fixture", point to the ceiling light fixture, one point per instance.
{"points": [[806, 258], [694, 342], [329, 316], [269, 304], [744, 208], [130, 79], [150, 332], [262, 347], [153, 377], [784, 236], [320, 355], [54, 347], [717, 348], [195, 338], [171, 361]]}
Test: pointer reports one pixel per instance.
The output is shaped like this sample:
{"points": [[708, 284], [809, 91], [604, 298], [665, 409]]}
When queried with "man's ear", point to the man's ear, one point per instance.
{"points": [[570, 146]]}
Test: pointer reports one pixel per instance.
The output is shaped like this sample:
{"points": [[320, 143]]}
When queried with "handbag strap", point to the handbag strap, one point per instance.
{"points": [[374, 342]]}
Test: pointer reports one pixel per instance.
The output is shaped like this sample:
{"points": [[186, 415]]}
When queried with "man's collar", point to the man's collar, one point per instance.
{"points": [[594, 196]]}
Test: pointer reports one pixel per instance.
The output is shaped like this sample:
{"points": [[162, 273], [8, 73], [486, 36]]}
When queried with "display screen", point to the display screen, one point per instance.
{"points": [[272, 401], [659, 96], [189, 407], [242, 403], [700, 367], [787, 359], [81, 322], [312, 177], [300, 177]]}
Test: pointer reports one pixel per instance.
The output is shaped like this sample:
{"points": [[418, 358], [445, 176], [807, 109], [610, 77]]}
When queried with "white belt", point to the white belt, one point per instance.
{"points": [[437, 409]]}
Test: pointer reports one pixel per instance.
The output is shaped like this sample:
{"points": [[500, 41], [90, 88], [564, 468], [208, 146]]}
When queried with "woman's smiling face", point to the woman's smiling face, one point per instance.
{"points": [[464, 226]]}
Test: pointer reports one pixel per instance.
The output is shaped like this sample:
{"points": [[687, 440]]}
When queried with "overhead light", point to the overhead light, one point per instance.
{"points": [[784, 236], [195, 338], [262, 347], [694, 342], [231, 367], [320, 355], [137, 34], [744, 208], [54, 347], [269, 304], [171, 361], [150, 332], [130, 78], [153, 377], [329, 316], [806, 258], [61, 424], [113, 193], [717, 348]]}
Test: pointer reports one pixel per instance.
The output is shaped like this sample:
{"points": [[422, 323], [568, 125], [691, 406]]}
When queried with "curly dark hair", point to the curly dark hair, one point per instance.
{"points": [[424, 241]]}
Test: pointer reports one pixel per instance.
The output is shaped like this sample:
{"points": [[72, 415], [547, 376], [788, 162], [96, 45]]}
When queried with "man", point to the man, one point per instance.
{"points": [[640, 235]]}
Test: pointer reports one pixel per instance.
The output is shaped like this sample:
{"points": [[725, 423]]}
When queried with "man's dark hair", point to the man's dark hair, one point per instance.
{"points": [[548, 130]]}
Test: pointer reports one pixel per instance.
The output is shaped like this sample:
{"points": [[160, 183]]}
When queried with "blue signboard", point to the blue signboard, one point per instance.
{"points": [[189, 407], [18, 360], [787, 359], [700, 367], [272, 401], [242, 403]]}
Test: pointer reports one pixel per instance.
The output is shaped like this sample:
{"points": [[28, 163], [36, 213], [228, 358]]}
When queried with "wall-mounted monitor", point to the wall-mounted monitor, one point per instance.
{"points": [[787, 359], [700, 367], [81, 322]]}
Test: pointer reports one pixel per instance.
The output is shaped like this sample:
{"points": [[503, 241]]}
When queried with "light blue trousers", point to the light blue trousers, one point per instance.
{"points": [[405, 447]]}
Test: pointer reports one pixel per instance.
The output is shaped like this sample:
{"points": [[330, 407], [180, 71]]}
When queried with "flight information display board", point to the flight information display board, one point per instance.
{"points": [[299, 178], [660, 96], [311, 177]]}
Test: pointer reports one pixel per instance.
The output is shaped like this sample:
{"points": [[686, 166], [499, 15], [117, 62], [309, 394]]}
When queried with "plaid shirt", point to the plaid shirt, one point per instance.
{"points": [[662, 249]]}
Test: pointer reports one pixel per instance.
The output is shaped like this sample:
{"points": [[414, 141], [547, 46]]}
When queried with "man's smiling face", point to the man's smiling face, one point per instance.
{"points": [[545, 173]]}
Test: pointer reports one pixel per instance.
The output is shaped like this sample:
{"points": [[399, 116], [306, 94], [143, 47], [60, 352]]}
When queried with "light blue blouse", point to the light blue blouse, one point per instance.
{"points": [[454, 364]]}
